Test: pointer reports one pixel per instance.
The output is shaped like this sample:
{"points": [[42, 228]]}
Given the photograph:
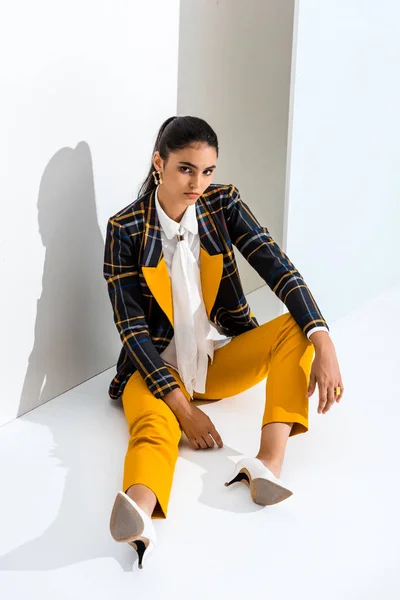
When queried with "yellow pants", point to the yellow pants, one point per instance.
{"points": [[277, 350]]}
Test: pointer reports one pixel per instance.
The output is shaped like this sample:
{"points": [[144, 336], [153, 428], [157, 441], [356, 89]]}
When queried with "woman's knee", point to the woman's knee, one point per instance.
{"points": [[293, 328], [156, 426]]}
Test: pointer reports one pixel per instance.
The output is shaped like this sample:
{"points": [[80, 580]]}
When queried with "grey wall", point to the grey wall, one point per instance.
{"points": [[234, 71]]}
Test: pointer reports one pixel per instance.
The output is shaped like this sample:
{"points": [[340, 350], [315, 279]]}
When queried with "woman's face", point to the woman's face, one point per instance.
{"points": [[188, 170]]}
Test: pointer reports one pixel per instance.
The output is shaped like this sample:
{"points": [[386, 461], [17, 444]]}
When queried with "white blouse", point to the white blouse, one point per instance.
{"points": [[188, 227]]}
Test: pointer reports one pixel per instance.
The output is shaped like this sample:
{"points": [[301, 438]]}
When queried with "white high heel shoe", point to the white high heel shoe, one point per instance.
{"points": [[265, 487], [129, 523]]}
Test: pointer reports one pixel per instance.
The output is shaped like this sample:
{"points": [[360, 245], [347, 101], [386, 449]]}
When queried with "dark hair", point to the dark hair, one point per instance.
{"points": [[175, 134]]}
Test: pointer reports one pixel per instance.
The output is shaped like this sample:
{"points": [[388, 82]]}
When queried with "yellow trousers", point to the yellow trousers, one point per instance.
{"points": [[277, 350]]}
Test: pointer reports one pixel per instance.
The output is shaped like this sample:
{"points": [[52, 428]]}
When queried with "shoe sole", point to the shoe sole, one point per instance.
{"points": [[263, 491], [126, 524]]}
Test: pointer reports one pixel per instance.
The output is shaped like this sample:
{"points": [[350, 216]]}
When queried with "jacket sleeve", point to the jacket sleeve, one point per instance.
{"points": [[255, 243], [122, 275]]}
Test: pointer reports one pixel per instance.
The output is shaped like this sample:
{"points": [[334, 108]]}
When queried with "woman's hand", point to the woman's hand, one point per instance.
{"points": [[325, 371], [197, 426]]}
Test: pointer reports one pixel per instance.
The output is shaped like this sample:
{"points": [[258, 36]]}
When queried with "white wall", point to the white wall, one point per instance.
{"points": [[234, 71], [343, 200], [84, 88]]}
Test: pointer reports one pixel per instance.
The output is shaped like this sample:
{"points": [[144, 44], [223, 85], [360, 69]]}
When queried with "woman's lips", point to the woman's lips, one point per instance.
{"points": [[191, 195]]}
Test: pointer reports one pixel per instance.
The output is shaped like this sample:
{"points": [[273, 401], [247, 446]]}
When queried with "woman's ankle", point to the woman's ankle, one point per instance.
{"points": [[273, 464], [143, 496]]}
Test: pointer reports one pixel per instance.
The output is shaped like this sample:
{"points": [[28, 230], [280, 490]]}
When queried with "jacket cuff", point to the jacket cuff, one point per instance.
{"points": [[164, 384], [314, 329]]}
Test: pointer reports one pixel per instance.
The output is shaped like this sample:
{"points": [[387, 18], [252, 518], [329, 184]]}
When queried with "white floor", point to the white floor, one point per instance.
{"points": [[336, 537]]}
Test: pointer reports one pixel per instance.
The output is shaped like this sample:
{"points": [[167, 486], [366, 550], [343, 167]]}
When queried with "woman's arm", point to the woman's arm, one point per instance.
{"points": [[255, 243]]}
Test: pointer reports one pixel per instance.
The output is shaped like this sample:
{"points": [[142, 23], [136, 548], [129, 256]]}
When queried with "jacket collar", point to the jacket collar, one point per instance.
{"points": [[155, 269]]}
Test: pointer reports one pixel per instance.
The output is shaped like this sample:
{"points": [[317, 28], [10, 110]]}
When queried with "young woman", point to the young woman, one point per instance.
{"points": [[188, 332]]}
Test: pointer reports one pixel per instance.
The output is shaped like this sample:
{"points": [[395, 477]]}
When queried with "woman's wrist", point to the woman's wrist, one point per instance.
{"points": [[177, 401], [320, 339]]}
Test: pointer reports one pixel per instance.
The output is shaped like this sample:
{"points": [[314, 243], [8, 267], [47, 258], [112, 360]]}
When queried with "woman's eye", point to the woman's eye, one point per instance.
{"points": [[185, 169]]}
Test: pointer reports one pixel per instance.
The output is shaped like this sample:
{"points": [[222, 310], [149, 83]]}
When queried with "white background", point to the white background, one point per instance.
{"points": [[344, 181], [84, 88]]}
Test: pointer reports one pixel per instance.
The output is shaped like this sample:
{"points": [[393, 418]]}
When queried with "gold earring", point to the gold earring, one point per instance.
{"points": [[155, 173]]}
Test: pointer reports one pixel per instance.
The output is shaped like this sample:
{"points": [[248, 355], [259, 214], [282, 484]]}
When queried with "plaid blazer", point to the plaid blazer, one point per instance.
{"points": [[139, 284]]}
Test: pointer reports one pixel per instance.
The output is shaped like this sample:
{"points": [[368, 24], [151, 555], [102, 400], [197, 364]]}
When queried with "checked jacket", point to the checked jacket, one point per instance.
{"points": [[139, 285]]}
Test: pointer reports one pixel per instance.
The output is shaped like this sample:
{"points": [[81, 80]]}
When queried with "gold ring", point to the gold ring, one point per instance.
{"points": [[337, 391]]}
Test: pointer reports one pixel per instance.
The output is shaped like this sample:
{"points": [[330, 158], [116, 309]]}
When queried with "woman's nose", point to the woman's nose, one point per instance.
{"points": [[195, 183]]}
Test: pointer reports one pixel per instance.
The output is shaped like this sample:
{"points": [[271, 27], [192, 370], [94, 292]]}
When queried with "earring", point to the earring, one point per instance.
{"points": [[155, 173]]}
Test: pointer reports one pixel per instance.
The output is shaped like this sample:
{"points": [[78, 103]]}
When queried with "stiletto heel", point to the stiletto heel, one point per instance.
{"points": [[265, 487], [130, 523], [141, 545]]}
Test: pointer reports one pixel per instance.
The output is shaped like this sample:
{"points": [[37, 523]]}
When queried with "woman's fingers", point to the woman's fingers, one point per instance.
{"points": [[201, 442], [216, 437], [322, 396], [207, 441], [311, 385], [327, 396], [330, 399], [339, 397]]}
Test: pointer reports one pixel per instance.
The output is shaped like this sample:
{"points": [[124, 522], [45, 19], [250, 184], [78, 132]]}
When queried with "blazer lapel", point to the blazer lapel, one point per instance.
{"points": [[155, 269]]}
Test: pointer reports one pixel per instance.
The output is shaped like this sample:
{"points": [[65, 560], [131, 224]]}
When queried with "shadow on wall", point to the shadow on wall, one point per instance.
{"points": [[76, 449], [74, 324]]}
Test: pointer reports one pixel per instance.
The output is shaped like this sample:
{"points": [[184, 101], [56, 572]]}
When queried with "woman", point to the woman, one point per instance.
{"points": [[177, 302]]}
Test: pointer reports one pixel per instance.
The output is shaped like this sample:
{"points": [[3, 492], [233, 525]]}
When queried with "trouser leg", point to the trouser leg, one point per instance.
{"points": [[154, 435], [277, 350]]}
